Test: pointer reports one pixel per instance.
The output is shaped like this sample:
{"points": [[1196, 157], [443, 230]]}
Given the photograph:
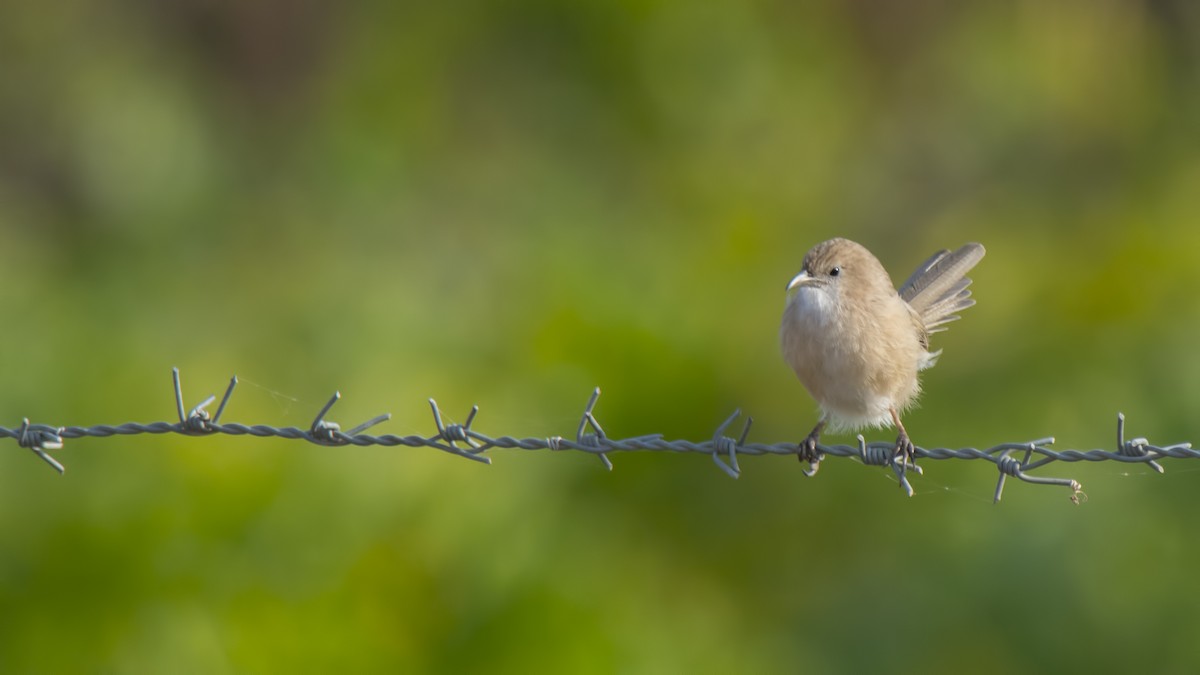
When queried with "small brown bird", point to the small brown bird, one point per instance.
{"points": [[857, 344]]}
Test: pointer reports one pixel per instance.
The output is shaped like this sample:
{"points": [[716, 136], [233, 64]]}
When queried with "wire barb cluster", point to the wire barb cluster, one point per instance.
{"points": [[1011, 459]]}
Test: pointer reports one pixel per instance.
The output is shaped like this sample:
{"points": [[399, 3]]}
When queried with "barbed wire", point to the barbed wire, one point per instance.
{"points": [[591, 438]]}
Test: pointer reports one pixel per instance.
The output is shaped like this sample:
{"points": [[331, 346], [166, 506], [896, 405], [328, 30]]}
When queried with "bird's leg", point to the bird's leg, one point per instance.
{"points": [[807, 449], [905, 451]]}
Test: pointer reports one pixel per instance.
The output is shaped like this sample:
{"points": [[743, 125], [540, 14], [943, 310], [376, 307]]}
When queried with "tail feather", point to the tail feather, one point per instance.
{"points": [[939, 287]]}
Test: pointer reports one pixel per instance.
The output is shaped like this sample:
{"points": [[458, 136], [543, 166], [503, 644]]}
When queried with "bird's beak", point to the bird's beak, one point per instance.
{"points": [[799, 280]]}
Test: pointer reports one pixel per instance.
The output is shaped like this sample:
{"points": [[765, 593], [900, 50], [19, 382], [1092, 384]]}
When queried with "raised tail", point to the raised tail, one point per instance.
{"points": [[938, 288]]}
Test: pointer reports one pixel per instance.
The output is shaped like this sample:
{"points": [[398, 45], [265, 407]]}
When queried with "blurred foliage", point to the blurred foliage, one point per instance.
{"points": [[508, 203]]}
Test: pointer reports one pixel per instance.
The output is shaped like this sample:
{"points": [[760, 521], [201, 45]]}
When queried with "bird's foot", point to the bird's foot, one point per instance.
{"points": [[807, 452], [905, 452]]}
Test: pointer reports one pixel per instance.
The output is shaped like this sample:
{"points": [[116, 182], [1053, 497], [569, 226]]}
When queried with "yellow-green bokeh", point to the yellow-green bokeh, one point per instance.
{"points": [[510, 203]]}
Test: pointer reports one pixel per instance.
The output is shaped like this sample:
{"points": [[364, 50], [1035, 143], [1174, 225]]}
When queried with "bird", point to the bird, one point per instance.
{"points": [[858, 344]]}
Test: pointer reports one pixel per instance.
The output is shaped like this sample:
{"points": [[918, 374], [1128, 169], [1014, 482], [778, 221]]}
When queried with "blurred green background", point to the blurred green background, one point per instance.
{"points": [[509, 203]]}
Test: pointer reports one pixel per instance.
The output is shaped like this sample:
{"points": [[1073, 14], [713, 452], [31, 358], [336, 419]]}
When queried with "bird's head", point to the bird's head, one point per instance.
{"points": [[837, 272]]}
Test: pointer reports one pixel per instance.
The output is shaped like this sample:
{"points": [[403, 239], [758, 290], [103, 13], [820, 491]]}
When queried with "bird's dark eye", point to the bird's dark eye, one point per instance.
{"points": [[835, 271]]}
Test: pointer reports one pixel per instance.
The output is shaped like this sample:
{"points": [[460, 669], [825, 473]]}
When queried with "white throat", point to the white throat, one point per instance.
{"points": [[812, 306]]}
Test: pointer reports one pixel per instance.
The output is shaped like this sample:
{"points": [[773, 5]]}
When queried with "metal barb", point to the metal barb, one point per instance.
{"points": [[378, 419], [452, 433], [594, 439], [178, 395], [320, 418], [1135, 447], [225, 399], [324, 432], [723, 443], [39, 439], [902, 475], [197, 418], [195, 422], [1009, 466]]}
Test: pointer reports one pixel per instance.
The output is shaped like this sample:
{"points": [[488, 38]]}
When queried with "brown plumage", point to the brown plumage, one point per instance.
{"points": [[857, 344]]}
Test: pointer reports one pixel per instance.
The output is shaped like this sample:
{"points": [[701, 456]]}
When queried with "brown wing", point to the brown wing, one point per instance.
{"points": [[939, 287]]}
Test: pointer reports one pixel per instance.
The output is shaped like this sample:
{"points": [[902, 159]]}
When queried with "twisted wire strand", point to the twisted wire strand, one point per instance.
{"points": [[463, 441]]}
